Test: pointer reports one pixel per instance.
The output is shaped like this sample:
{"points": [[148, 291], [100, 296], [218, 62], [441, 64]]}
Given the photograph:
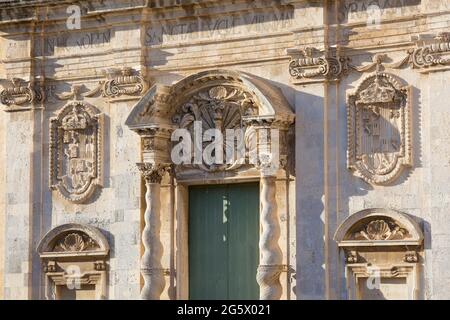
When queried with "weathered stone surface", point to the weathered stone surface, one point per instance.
{"points": [[136, 59]]}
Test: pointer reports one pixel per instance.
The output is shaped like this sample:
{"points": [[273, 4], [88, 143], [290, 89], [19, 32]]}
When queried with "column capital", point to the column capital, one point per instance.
{"points": [[153, 172], [269, 167]]}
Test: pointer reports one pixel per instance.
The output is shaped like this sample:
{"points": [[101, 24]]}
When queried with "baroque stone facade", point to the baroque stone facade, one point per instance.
{"points": [[94, 206]]}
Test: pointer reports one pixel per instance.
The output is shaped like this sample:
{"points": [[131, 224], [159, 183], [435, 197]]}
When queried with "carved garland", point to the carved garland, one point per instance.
{"points": [[76, 151], [378, 124]]}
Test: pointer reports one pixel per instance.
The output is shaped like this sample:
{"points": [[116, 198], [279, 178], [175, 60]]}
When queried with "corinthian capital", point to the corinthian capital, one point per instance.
{"points": [[153, 172]]}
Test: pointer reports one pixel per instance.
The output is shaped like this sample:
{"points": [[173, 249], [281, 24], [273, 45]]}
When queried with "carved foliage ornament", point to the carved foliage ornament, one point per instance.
{"points": [[217, 107], [75, 151], [378, 123], [153, 173]]}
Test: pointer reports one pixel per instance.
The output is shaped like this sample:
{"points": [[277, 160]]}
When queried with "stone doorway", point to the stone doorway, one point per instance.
{"points": [[219, 100]]}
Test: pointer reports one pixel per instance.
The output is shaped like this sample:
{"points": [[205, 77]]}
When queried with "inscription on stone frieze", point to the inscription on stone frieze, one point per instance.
{"points": [[68, 43], [219, 28], [355, 10]]}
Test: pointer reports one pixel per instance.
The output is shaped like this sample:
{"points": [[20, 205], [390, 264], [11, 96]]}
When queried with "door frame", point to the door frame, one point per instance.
{"points": [[181, 187], [182, 227]]}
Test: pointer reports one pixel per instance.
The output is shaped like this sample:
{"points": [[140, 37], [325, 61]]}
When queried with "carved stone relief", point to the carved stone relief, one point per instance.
{"points": [[19, 95], [385, 244], [380, 229], [75, 242], [431, 54], [76, 151], [217, 107], [123, 82], [74, 253], [309, 63], [378, 124]]}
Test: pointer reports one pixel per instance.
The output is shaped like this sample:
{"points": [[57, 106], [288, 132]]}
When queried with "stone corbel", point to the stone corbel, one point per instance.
{"points": [[431, 53], [122, 83], [19, 95], [312, 65]]}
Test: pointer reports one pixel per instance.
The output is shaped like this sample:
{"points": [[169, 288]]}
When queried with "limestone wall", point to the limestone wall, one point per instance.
{"points": [[167, 42]]}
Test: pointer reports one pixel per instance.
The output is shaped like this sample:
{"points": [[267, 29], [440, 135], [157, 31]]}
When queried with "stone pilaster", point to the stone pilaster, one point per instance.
{"points": [[151, 266]]}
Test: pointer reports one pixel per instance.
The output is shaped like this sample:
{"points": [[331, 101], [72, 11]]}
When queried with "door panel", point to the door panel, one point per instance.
{"points": [[223, 241]]}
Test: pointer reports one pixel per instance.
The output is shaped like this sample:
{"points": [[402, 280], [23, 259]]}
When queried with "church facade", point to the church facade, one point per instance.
{"points": [[119, 179]]}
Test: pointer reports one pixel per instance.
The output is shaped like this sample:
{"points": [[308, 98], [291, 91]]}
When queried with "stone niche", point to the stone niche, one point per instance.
{"points": [[74, 262], [383, 255]]}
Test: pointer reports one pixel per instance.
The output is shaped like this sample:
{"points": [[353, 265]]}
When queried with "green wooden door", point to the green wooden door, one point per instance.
{"points": [[223, 241]]}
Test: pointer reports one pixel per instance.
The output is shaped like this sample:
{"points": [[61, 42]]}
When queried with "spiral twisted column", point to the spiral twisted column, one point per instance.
{"points": [[271, 257], [151, 266]]}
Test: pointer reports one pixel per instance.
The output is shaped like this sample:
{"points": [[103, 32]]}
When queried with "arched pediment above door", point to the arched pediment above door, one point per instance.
{"points": [[219, 100], [161, 103]]}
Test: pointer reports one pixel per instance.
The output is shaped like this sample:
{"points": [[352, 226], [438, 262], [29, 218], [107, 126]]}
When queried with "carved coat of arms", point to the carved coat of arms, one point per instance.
{"points": [[378, 123], [75, 151]]}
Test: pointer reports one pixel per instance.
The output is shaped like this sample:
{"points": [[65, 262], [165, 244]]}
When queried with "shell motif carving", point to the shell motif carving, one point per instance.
{"points": [[75, 242], [381, 230]]}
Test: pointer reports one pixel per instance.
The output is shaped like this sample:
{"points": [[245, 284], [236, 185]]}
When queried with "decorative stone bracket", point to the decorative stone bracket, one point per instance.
{"points": [[219, 99], [313, 65], [310, 64], [20, 95], [120, 84]]}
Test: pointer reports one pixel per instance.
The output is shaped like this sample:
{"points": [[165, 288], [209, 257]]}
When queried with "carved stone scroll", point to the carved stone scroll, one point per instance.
{"points": [[310, 63], [76, 151], [151, 265], [432, 54], [378, 124], [123, 83], [19, 95]]}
